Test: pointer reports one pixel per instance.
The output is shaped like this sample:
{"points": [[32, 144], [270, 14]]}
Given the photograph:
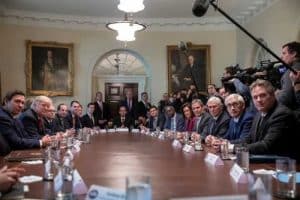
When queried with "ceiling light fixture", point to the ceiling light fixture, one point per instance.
{"points": [[126, 29], [131, 6]]}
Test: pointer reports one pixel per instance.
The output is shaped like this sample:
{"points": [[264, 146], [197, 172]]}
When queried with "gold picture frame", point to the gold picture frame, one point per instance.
{"points": [[178, 66], [49, 68]]}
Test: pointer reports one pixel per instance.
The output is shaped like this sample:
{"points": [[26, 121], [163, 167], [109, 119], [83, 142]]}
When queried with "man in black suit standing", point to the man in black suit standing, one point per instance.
{"points": [[273, 125], [88, 119], [101, 113], [12, 129], [130, 103], [143, 106]]}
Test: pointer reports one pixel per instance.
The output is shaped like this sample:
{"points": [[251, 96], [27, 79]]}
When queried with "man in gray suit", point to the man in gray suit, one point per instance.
{"points": [[201, 116], [290, 55]]}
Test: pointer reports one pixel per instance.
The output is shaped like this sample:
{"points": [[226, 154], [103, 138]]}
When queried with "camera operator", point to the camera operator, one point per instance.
{"points": [[290, 55], [296, 83], [234, 85]]}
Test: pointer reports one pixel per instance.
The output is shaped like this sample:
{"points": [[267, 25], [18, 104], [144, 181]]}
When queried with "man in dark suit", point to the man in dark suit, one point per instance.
{"points": [[33, 118], [156, 120], [174, 121], [60, 122], [143, 106], [123, 120], [88, 119], [130, 103], [273, 125], [49, 121], [73, 117], [240, 122], [218, 123], [12, 129], [101, 113], [201, 116]]}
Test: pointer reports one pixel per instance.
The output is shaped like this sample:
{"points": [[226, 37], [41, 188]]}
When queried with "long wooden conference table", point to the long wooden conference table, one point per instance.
{"points": [[109, 158]]}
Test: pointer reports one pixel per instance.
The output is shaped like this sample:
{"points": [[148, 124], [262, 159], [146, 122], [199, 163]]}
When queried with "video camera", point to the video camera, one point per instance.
{"points": [[266, 71]]}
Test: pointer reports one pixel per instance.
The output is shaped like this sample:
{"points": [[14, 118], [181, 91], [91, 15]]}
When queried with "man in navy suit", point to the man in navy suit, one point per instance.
{"points": [[240, 122], [88, 119], [60, 122], [174, 121], [12, 129], [73, 117]]}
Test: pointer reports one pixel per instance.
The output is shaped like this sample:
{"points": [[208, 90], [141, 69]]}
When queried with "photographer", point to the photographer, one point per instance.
{"points": [[290, 55], [234, 85]]}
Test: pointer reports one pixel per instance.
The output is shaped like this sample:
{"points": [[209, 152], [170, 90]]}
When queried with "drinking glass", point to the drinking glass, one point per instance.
{"points": [[138, 187]]}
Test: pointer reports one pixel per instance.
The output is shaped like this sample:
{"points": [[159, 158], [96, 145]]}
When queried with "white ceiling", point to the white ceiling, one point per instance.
{"points": [[162, 12]]}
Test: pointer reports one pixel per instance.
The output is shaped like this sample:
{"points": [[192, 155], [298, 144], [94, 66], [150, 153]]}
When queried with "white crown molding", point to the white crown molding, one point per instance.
{"points": [[26, 18]]}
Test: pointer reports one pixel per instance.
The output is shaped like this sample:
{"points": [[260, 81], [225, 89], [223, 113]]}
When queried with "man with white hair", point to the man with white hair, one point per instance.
{"points": [[218, 123], [240, 122], [32, 118]]}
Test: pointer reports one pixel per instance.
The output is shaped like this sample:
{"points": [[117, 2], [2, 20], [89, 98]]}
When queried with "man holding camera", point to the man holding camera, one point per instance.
{"points": [[290, 55]]}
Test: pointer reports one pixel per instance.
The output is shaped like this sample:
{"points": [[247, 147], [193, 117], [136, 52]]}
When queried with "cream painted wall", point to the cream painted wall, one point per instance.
{"points": [[278, 25], [90, 45]]}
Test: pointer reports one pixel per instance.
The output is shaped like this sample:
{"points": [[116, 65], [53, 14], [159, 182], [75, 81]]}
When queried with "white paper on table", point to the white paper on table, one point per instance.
{"points": [[30, 179], [34, 162]]}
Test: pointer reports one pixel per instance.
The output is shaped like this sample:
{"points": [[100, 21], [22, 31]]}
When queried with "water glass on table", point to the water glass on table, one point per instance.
{"points": [[286, 178], [138, 187]]}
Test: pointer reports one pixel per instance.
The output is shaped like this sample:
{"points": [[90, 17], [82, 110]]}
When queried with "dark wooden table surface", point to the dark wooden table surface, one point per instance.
{"points": [[111, 157]]}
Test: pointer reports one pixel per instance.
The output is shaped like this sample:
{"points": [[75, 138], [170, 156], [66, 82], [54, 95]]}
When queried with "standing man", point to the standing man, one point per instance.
{"points": [[143, 106], [101, 113], [130, 103], [12, 129], [290, 55]]}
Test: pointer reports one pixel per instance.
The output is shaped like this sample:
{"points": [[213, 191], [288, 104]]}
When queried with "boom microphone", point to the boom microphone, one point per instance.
{"points": [[200, 7]]}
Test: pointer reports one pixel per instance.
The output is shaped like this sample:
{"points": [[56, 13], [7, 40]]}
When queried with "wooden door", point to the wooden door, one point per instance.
{"points": [[115, 92]]}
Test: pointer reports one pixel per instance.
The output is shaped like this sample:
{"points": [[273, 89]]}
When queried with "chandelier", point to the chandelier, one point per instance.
{"points": [[126, 29], [131, 6]]}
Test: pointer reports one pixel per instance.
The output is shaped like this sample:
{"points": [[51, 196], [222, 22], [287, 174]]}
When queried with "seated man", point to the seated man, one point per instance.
{"points": [[33, 118], [240, 122], [156, 120], [202, 117], [123, 120], [12, 129], [174, 121], [218, 123], [60, 122], [73, 117], [49, 121], [273, 125], [88, 119]]}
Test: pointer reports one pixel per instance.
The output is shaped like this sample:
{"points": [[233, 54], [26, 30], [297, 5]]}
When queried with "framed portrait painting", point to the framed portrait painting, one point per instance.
{"points": [[187, 68], [49, 68]]}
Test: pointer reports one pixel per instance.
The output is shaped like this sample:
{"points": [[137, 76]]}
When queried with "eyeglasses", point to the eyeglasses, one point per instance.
{"points": [[234, 105]]}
